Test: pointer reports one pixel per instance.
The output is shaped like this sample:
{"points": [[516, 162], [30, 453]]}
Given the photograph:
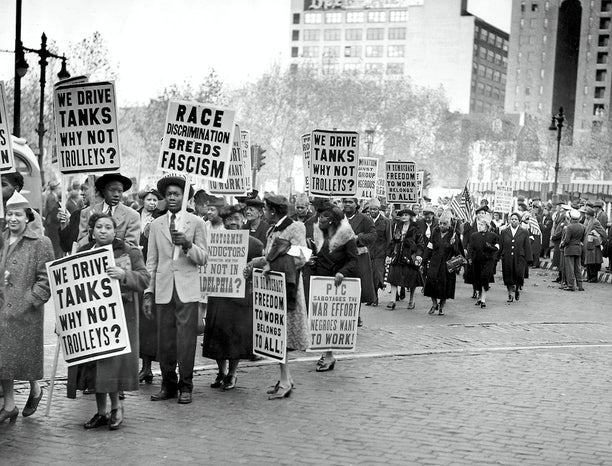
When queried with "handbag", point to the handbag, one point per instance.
{"points": [[455, 263]]}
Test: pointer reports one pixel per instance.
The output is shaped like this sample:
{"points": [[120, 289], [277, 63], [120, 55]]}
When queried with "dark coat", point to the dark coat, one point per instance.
{"points": [[592, 249], [404, 249], [144, 233], [572, 239], [363, 227], [378, 251], [336, 254], [117, 372], [440, 283], [483, 253], [422, 226], [260, 233], [515, 253], [22, 316], [69, 234]]}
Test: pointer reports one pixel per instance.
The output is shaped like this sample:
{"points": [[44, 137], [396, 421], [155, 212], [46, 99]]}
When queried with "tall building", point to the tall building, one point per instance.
{"points": [[559, 57], [435, 42]]}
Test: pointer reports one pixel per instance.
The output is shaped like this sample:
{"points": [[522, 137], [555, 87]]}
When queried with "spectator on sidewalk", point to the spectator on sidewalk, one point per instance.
{"points": [[116, 374], [175, 288], [572, 252], [26, 289], [594, 236]]}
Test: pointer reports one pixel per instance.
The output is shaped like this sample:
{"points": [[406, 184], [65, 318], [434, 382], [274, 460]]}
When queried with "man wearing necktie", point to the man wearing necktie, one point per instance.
{"points": [[112, 186], [175, 288]]}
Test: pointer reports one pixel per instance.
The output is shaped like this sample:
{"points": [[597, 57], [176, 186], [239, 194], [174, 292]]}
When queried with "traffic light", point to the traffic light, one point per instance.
{"points": [[426, 179], [257, 157]]}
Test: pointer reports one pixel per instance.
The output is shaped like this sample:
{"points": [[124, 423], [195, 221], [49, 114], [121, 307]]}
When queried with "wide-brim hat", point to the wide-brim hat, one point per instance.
{"points": [[276, 200], [252, 195], [110, 177], [598, 203], [146, 192], [166, 181], [230, 210], [589, 211], [255, 202], [17, 201], [484, 208], [405, 211], [321, 204], [574, 214]]}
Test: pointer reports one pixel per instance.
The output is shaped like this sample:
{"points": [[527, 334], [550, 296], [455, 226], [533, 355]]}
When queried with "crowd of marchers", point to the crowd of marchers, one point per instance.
{"points": [[158, 248]]}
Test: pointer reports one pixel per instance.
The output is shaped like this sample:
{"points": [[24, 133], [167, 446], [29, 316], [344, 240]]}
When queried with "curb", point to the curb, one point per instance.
{"points": [[602, 277]]}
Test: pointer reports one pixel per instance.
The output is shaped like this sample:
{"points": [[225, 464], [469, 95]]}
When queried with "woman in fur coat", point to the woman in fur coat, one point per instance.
{"points": [[336, 256]]}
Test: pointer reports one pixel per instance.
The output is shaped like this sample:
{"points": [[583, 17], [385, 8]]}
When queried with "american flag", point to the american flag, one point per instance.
{"points": [[462, 206]]}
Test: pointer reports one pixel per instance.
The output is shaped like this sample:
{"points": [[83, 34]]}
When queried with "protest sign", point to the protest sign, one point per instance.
{"points": [[235, 182], [270, 315], [333, 313], [366, 177], [86, 129], [245, 146], [503, 198], [198, 139], [7, 161], [381, 189], [306, 160], [227, 258], [420, 175], [89, 316], [334, 159], [401, 182]]}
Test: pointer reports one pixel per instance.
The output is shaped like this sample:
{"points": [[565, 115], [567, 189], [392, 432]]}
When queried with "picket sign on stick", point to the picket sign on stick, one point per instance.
{"points": [[184, 210], [53, 372]]}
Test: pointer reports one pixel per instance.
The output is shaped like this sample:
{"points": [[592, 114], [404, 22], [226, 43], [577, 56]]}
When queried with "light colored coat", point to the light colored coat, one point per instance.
{"points": [[127, 219], [182, 273]]}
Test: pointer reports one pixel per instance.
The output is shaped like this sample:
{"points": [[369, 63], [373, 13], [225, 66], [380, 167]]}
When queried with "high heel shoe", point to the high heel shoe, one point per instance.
{"points": [[229, 382], [116, 418], [478, 303], [281, 392], [517, 295], [483, 305], [11, 415], [391, 305], [433, 309], [32, 404], [218, 383], [510, 298]]}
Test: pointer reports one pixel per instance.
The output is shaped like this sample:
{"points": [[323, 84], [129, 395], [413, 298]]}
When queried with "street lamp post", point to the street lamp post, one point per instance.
{"points": [[21, 68], [557, 125], [369, 139]]}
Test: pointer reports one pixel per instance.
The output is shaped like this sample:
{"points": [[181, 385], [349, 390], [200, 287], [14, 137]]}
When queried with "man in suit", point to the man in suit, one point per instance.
{"points": [[175, 288], [112, 186], [378, 250], [363, 227], [600, 214], [572, 250]]}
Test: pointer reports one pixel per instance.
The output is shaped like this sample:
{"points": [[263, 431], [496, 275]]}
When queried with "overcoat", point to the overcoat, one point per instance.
{"points": [[515, 252], [440, 283], [118, 372], [22, 316], [592, 249], [363, 227]]}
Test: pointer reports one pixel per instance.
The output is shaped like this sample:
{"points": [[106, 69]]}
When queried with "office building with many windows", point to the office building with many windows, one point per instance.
{"points": [[434, 42], [560, 57]]}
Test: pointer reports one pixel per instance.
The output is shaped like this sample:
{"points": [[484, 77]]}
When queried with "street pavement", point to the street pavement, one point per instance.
{"points": [[520, 383]]}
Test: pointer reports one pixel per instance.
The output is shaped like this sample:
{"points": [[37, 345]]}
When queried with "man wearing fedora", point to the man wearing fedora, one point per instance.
{"points": [[572, 251], [112, 186], [175, 288]]}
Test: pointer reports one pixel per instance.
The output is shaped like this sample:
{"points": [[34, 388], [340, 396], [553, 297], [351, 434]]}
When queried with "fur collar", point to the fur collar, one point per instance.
{"points": [[343, 235]]}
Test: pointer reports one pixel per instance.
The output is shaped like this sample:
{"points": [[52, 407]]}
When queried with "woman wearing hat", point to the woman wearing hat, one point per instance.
{"points": [[515, 254], [214, 220], [404, 256], [594, 237], [24, 254], [481, 255], [147, 330], [257, 226], [228, 334], [336, 256], [443, 244]]}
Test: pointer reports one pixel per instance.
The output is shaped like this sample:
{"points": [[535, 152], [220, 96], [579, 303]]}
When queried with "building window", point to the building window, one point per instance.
{"points": [[374, 68], [496, 76], [499, 59], [355, 16], [480, 88], [527, 106], [482, 53], [295, 35], [483, 35], [522, 7], [374, 51], [296, 18], [311, 34], [395, 68], [375, 34], [312, 18], [496, 93], [600, 75], [332, 34], [603, 41], [539, 106], [491, 38], [544, 39], [294, 52], [395, 51], [602, 58], [533, 22], [489, 73], [398, 16], [586, 90], [541, 73], [606, 6], [527, 91], [353, 34], [377, 16], [331, 52], [352, 68], [353, 51], [599, 110], [333, 18], [397, 33], [600, 92], [479, 106], [516, 106], [499, 42], [491, 56], [505, 46], [534, 6], [543, 57], [488, 90], [481, 70], [604, 23], [541, 90], [293, 68], [310, 51], [529, 75]]}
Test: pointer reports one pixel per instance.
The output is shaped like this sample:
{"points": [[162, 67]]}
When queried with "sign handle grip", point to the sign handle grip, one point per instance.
{"points": [[184, 209]]}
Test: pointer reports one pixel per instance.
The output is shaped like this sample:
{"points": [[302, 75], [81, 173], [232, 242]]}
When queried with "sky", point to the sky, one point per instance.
{"points": [[156, 43]]}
